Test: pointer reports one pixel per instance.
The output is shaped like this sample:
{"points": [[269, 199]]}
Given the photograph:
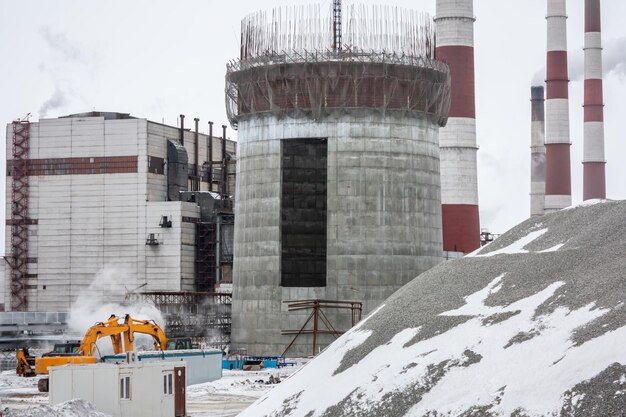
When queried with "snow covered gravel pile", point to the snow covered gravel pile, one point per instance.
{"points": [[73, 408], [531, 325]]}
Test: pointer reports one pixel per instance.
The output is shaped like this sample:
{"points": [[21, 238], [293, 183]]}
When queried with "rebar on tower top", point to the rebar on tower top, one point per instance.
{"points": [[336, 25]]}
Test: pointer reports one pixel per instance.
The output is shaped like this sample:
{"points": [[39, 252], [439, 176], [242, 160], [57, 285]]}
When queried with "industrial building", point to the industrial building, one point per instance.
{"points": [[338, 181], [92, 191]]}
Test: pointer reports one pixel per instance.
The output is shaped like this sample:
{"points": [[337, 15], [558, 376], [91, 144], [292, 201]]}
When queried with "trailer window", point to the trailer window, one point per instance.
{"points": [[125, 387], [167, 384]]}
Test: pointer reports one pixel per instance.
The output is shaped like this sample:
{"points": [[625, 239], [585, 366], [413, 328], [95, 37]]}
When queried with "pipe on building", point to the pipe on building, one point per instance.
{"points": [[224, 165], [459, 175], [594, 179], [196, 180], [558, 168], [537, 151], [209, 157], [182, 129]]}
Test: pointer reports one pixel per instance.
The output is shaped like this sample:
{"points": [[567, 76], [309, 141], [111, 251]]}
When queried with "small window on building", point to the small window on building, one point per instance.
{"points": [[167, 384], [125, 387]]}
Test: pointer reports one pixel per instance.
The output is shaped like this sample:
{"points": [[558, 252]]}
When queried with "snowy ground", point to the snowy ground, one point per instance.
{"points": [[234, 392], [222, 398]]}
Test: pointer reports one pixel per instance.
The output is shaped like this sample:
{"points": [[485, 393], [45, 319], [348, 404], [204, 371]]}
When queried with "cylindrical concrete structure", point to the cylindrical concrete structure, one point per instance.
{"points": [[338, 189], [558, 173], [459, 175], [594, 181], [537, 152]]}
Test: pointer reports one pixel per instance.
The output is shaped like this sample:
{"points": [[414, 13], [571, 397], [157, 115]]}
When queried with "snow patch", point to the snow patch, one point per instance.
{"points": [[515, 247], [588, 203], [553, 248], [72, 408]]}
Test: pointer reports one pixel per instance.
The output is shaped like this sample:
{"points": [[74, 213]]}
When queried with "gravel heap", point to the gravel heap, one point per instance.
{"points": [[533, 324]]}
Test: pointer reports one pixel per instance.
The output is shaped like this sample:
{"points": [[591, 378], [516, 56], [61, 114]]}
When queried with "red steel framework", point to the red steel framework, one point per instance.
{"points": [[317, 314], [19, 216]]}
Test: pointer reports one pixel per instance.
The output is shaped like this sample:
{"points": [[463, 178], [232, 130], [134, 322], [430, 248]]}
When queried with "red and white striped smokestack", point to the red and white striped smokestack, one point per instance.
{"points": [[594, 182], [537, 152], [558, 174], [459, 176]]}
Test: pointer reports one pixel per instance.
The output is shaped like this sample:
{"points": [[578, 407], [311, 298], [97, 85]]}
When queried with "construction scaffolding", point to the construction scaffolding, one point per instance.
{"points": [[302, 28], [295, 60], [203, 316], [317, 308], [19, 216]]}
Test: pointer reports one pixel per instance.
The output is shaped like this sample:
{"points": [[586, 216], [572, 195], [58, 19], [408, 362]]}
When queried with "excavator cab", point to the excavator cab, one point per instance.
{"points": [[179, 343], [64, 349]]}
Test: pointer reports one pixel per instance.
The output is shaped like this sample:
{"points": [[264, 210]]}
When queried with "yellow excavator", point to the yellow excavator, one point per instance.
{"points": [[122, 334]]}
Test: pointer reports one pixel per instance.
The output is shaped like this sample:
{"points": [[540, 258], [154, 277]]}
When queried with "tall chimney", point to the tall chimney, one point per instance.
{"points": [[459, 176], [594, 182], [537, 152], [558, 175]]}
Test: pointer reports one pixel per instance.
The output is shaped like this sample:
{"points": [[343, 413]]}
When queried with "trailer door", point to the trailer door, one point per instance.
{"points": [[180, 401]]}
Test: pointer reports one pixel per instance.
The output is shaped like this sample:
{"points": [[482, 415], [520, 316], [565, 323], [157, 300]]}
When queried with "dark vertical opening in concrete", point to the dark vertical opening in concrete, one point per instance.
{"points": [[303, 213]]}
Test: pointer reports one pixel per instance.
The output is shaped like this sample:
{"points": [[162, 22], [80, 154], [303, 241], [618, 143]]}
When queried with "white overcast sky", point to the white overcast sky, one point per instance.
{"points": [[157, 59]]}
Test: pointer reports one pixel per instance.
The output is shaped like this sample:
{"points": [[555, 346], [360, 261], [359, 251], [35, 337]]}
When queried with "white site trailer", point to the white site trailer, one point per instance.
{"points": [[203, 365], [155, 389]]}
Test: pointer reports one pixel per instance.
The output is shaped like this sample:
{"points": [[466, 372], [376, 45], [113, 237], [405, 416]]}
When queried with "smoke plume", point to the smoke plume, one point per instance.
{"points": [[66, 60], [101, 299], [57, 100], [613, 62]]}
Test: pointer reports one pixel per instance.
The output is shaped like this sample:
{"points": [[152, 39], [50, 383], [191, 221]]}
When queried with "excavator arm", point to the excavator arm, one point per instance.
{"points": [[143, 327], [122, 336]]}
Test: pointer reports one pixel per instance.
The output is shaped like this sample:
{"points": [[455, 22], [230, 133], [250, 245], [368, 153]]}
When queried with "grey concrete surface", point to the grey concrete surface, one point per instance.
{"points": [[383, 219]]}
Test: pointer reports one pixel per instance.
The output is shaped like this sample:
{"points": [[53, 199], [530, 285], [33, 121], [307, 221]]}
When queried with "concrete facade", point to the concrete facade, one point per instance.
{"points": [[98, 188], [383, 219]]}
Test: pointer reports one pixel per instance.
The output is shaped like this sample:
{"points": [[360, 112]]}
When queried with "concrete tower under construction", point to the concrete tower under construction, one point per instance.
{"points": [[338, 177]]}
